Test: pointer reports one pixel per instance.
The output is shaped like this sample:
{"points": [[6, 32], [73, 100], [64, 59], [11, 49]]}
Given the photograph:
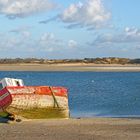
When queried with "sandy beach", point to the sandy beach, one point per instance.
{"points": [[72, 129], [69, 67]]}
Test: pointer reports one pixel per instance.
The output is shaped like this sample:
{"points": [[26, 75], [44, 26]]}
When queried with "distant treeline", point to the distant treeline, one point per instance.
{"points": [[105, 60]]}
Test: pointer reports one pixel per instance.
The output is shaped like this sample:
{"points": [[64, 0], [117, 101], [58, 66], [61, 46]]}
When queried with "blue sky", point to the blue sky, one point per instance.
{"points": [[69, 28]]}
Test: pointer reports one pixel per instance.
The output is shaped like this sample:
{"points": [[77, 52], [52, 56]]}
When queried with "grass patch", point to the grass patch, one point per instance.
{"points": [[3, 114]]}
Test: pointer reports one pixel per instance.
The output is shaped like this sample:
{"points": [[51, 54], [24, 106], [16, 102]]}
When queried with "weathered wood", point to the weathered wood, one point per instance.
{"points": [[40, 100]]}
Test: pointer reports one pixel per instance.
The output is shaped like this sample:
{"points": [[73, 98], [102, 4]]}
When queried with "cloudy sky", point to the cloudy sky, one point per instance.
{"points": [[69, 28]]}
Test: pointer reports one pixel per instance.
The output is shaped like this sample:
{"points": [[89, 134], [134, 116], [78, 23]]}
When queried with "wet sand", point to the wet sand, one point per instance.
{"points": [[72, 129], [68, 67]]}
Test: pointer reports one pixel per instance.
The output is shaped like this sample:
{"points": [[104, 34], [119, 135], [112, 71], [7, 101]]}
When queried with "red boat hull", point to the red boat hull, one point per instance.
{"points": [[5, 99], [38, 97]]}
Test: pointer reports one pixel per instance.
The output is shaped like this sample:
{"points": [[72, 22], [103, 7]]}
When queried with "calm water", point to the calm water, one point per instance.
{"points": [[110, 94]]}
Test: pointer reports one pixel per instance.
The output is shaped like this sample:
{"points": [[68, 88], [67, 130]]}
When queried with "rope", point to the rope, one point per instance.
{"points": [[55, 100]]}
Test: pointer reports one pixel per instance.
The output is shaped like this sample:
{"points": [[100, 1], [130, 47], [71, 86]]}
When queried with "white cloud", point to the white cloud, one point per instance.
{"points": [[23, 31], [45, 45], [129, 35], [132, 31], [48, 42], [72, 44], [90, 14], [22, 8], [10, 43], [26, 34], [47, 37]]}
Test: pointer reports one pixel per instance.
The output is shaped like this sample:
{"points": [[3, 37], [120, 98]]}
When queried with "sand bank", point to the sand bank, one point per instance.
{"points": [[72, 129], [68, 67]]}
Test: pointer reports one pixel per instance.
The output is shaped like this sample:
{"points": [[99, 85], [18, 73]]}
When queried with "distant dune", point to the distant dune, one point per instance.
{"points": [[106, 60], [86, 64]]}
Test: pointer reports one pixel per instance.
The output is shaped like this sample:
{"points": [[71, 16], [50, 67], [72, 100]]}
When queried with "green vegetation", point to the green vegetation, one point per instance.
{"points": [[105, 60], [20, 60], [3, 114]]}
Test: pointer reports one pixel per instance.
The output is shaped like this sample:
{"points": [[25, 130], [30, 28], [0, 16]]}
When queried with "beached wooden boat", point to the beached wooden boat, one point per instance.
{"points": [[33, 101]]}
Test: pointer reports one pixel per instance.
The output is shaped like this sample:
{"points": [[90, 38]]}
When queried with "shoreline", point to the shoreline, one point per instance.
{"points": [[71, 67], [73, 129]]}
